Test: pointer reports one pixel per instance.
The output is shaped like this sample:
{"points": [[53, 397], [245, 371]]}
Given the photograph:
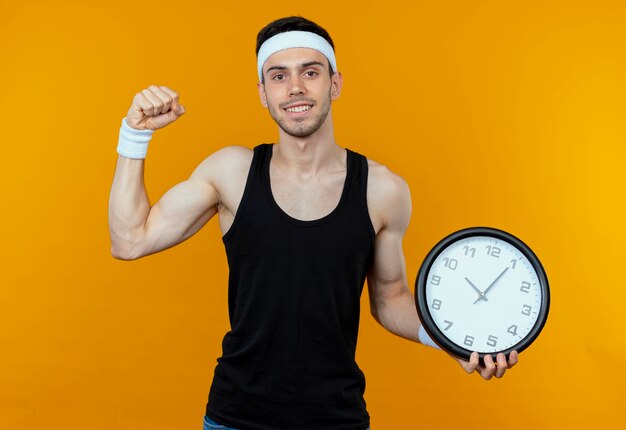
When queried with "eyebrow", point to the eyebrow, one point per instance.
{"points": [[303, 65]]}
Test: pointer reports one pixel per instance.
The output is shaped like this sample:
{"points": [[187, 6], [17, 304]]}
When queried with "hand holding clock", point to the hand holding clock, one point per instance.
{"points": [[490, 368]]}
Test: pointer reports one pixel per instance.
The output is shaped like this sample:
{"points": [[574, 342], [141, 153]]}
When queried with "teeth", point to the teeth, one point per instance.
{"points": [[299, 108]]}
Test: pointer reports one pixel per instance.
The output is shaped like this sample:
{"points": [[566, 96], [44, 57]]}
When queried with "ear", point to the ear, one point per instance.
{"points": [[261, 87], [336, 82]]}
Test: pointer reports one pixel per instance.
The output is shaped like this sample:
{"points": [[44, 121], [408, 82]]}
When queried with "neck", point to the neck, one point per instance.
{"points": [[311, 154]]}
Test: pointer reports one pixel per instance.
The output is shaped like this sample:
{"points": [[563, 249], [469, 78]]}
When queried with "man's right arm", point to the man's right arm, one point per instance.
{"points": [[136, 228]]}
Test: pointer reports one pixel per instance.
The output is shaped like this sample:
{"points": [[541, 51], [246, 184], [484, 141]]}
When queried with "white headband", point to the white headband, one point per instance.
{"points": [[294, 39]]}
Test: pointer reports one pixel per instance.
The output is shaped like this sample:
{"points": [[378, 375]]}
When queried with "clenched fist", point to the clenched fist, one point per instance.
{"points": [[154, 108]]}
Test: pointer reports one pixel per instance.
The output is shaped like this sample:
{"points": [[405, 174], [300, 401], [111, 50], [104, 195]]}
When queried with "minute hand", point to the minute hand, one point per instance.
{"points": [[492, 284]]}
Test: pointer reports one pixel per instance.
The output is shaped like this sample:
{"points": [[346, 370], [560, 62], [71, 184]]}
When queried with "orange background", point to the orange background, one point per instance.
{"points": [[507, 115]]}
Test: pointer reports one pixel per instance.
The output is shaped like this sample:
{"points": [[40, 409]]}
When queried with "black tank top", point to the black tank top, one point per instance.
{"points": [[294, 291]]}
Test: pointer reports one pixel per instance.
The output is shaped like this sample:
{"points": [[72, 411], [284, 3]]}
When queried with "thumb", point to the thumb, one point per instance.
{"points": [[174, 113], [179, 110]]}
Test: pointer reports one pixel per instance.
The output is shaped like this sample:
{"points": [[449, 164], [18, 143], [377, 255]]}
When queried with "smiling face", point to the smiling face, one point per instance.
{"points": [[298, 90]]}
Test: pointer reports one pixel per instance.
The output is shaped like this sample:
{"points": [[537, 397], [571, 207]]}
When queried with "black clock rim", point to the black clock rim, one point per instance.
{"points": [[422, 306]]}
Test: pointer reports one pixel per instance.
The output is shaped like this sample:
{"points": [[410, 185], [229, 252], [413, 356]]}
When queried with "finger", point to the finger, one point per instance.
{"points": [[157, 103], [513, 357], [502, 366], [468, 366], [173, 94], [141, 103], [490, 367], [177, 108], [165, 98], [138, 112], [472, 365]]}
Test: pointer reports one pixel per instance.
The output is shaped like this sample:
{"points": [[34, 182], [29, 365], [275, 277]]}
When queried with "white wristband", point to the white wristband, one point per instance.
{"points": [[425, 339], [133, 143]]}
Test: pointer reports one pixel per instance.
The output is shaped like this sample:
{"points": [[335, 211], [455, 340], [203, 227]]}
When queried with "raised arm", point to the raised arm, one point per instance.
{"points": [[138, 229]]}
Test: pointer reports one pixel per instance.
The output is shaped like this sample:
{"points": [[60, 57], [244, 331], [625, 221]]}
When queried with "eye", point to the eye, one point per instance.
{"points": [[278, 77], [311, 73]]}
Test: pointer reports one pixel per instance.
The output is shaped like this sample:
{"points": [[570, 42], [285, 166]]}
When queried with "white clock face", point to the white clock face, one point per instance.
{"points": [[483, 294]]}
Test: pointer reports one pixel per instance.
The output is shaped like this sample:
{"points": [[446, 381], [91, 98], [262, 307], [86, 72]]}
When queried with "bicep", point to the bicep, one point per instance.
{"points": [[387, 278], [180, 213]]}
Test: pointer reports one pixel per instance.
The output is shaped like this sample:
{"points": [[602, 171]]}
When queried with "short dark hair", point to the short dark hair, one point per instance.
{"points": [[291, 23]]}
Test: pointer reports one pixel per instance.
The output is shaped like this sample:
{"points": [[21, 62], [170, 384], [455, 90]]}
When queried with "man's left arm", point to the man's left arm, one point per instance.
{"points": [[391, 302]]}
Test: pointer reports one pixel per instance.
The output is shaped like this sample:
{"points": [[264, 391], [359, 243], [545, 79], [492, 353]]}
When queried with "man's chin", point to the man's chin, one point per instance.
{"points": [[299, 133], [302, 131], [304, 128]]}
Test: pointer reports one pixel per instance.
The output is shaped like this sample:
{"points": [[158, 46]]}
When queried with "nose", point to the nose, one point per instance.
{"points": [[297, 86]]}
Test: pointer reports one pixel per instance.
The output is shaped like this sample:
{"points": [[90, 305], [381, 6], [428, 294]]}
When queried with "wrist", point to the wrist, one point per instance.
{"points": [[133, 143], [425, 339]]}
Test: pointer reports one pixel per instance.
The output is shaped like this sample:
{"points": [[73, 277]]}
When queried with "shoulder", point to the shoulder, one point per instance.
{"points": [[227, 157], [225, 171], [383, 182], [388, 197], [224, 162]]}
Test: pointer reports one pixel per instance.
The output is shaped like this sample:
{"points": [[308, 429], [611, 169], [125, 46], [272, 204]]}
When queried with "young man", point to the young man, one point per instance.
{"points": [[304, 223]]}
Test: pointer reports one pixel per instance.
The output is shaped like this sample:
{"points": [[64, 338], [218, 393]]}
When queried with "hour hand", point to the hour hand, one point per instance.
{"points": [[481, 295], [492, 284]]}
